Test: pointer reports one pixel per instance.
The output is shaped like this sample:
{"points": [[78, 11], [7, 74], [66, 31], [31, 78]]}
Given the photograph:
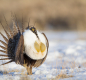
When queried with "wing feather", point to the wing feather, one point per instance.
{"points": [[3, 51], [6, 31], [4, 37], [6, 62], [11, 33], [17, 24], [5, 59], [3, 43], [14, 45], [19, 58], [4, 55], [3, 47], [15, 31]]}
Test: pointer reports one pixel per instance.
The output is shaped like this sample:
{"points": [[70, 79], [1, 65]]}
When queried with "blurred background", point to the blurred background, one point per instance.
{"points": [[46, 14], [63, 22]]}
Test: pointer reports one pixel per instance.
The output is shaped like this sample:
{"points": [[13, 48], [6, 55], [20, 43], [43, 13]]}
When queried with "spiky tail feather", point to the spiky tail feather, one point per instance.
{"points": [[6, 62], [4, 55], [5, 59], [9, 46]]}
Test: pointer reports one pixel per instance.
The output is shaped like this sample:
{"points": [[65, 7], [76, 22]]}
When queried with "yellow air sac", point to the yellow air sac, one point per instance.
{"points": [[42, 47], [37, 46]]}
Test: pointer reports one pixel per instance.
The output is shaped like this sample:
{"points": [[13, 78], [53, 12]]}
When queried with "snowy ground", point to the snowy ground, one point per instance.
{"points": [[67, 55]]}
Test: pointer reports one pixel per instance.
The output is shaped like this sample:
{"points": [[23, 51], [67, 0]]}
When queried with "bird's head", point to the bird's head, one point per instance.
{"points": [[35, 44]]}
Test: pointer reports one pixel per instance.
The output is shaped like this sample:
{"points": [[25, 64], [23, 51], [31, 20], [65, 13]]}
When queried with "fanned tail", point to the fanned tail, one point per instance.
{"points": [[6, 62], [15, 31], [4, 37], [3, 51], [10, 45], [5, 59], [22, 25], [3, 43], [4, 55], [11, 33], [3, 47], [17, 24], [6, 31], [13, 45]]}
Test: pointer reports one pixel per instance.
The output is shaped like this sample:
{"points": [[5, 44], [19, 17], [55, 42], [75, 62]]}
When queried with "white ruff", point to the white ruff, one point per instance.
{"points": [[29, 40]]}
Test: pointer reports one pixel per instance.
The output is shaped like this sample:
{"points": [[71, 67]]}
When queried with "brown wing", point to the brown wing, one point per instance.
{"points": [[19, 58], [41, 61]]}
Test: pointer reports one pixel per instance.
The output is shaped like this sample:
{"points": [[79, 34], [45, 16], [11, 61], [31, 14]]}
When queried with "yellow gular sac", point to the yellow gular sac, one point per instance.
{"points": [[42, 47], [37, 46]]}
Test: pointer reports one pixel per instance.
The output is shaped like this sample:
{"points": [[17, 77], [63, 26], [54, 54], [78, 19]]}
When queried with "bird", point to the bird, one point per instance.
{"points": [[27, 47]]}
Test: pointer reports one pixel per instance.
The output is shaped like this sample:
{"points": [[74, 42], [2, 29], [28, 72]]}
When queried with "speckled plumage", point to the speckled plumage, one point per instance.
{"points": [[14, 49]]}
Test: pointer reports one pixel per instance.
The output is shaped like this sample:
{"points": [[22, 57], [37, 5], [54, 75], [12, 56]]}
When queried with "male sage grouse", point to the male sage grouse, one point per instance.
{"points": [[29, 47]]}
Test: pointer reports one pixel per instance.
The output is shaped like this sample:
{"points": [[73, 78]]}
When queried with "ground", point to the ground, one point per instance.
{"points": [[66, 60]]}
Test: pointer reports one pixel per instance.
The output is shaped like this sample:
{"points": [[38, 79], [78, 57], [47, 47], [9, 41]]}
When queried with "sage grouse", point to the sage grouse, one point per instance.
{"points": [[25, 47]]}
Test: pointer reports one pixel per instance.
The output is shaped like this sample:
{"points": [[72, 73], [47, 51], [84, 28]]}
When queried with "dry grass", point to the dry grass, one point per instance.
{"points": [[22, 76], [61, 14], [25, 78], [61, 76]]}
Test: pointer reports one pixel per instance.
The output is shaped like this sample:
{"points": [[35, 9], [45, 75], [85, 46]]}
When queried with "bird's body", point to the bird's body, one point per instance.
{"points": [[33, 45], [28, 48]]}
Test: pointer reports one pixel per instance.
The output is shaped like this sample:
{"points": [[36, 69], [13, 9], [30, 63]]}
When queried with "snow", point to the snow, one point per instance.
{"points": [[66, 55]]}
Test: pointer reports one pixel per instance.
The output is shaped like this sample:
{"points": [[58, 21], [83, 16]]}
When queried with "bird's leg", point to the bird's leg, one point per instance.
{"points": [[29, 70]]}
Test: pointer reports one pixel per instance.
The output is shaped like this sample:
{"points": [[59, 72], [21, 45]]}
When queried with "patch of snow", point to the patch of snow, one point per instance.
{"points": [[67, 54]]}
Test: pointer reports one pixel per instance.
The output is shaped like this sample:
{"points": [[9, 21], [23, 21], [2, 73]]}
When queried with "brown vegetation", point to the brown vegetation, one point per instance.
{"points": [[60, 14], [62, 76]]}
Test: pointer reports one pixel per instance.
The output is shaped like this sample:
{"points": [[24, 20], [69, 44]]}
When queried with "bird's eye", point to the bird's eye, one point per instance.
{"points": [[33, 30]]}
